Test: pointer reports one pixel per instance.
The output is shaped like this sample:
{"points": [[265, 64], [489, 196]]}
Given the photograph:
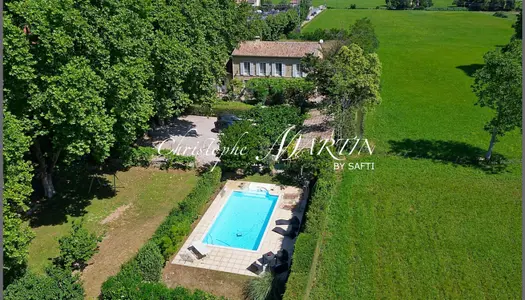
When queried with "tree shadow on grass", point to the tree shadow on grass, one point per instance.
{"points": [[76, 188], [449, 152], [470, 69]]}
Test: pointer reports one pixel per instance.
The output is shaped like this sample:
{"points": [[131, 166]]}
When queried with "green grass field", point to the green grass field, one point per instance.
{"points": [[435, 225], [368, 3], [363, 3], [150, 193]]}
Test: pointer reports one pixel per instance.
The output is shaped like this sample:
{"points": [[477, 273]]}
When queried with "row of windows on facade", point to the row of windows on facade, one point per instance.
{"points": [[268, 69]]}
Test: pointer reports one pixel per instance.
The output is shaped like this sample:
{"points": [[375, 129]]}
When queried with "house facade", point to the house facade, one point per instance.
{"points": [[255, 3], [257, 58]]}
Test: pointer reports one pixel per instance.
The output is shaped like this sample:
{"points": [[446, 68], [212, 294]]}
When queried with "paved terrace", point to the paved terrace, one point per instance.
{"points": [[291, 202]]}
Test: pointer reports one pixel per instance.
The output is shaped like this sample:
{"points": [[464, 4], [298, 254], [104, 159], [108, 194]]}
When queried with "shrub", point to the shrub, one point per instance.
{"points": [[171, 233], [275, 91], [408, 4], [77, 247], [353, 6], [274, 120], [499, 14], [55, 284], [141, 157], [235, 89], [175, 161], [241, 144], [304, 167], [260, 288], [446, 8], [150, 262], [123, 285], [146, 291]]}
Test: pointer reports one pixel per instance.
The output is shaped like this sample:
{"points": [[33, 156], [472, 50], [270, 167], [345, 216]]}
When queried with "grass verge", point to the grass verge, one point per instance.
{"points": [[428, 222], [140, 277]]}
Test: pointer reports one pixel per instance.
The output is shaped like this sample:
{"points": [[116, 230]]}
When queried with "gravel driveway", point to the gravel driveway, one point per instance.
{"points": [[189, 135]]}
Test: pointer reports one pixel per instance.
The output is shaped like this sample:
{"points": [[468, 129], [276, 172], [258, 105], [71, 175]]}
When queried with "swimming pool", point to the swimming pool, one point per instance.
{"points": [[242, 221]]}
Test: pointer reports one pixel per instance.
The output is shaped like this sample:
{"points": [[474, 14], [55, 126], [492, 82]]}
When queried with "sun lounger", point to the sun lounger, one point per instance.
{"points": [[293, 221], [290, 232], [255, 267], [199, 248]]}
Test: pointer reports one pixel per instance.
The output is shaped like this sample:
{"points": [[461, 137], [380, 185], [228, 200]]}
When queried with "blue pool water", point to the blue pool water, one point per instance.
{"points": [[242, 221]]}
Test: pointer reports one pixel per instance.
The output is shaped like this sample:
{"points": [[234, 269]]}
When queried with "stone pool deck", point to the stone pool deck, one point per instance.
{"points": [[291, 202]]}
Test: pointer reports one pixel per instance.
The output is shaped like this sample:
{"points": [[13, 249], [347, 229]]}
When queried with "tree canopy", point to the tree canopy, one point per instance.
{"points": [[363, 34], [85, 79], [490, 5], [17, 189], [90, 76], [498, 86], [350, 81]]}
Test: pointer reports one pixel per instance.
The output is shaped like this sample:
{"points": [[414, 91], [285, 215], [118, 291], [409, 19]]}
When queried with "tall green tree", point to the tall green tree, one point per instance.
{"points": [[64, 100], [91, 75], [17, 189], [73, 120], [353, 89], [498, 86], [304, 8], [241, 144], [350, 80], [362, 33]]}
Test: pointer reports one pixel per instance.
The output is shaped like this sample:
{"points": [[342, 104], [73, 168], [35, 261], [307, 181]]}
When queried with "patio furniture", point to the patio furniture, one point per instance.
{"points": [[200, 249], [290, 232], [268, 257], [256, 268], [292, 221]]}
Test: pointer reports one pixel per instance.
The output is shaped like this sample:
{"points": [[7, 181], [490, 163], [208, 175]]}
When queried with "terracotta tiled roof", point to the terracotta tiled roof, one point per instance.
{"points": [[276, 49]]}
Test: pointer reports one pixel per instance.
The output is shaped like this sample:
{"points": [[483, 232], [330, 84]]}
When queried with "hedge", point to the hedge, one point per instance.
{"points": [[172, 232], [307, 242], [144, 156], [219, 108], [139, 278], [275, 91]]}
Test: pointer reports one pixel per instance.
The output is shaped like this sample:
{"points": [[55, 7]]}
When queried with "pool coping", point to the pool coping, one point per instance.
{"points": [[237, 260], [220, 211]]}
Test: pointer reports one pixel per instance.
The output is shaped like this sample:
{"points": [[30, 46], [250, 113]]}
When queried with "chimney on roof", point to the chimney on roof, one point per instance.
{"points": [[257, 38]]}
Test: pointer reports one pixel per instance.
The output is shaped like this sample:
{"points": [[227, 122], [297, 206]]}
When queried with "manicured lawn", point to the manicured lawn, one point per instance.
{"points": [[363, 3], [435, 225], [220, 107], [150, 193]]}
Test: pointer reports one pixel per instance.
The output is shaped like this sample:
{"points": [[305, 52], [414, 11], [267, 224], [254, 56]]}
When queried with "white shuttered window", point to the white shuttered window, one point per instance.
{"points": [[252, 70]]}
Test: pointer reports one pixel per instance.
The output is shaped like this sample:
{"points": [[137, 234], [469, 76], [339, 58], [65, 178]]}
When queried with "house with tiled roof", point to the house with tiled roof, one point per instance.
{"points": [[252, 2], [271, 58]]}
